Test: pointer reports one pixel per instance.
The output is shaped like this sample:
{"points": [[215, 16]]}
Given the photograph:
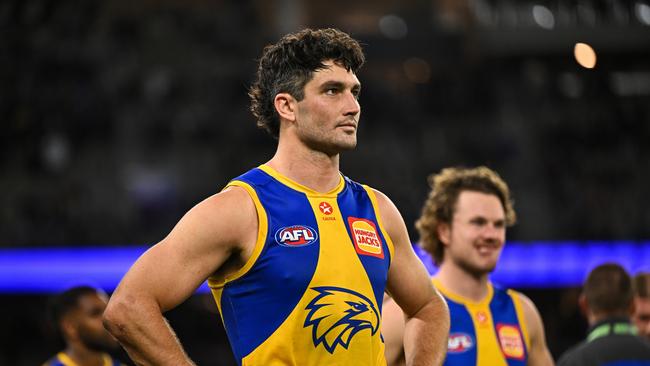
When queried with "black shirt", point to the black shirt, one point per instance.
{"points": [[611, 342]]}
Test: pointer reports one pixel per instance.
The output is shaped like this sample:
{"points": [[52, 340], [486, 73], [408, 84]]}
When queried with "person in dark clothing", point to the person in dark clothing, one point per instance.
{"points": [[607, 303], [76, 314]]}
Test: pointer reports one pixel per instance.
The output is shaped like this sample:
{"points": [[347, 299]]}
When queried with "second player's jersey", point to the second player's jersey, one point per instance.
{"points": [[62, 359], [491, 332], [311, 293]]}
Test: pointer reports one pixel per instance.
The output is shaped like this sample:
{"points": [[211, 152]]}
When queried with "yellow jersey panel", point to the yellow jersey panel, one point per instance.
{"points": [[313, 293], [486, 333]]}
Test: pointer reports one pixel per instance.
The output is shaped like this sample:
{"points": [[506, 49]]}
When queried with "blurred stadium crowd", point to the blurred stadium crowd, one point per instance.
{"points": [[118, 116]]}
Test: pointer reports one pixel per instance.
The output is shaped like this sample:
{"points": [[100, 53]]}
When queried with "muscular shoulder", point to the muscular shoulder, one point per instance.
{"points": [[235, 210], [236, 200], [532, 318], [228, 217], [528, 306], [390, 215]]}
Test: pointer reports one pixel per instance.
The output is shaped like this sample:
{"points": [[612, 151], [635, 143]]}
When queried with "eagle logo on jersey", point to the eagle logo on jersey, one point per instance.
{"points": [[336, 314]]}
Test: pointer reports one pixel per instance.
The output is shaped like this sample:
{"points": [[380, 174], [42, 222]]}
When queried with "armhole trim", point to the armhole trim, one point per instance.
{"points": [[516, 300], [262, 230], [375, 206]]}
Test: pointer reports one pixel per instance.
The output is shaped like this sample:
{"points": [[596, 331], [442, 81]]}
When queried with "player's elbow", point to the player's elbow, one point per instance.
{"points": [[118, 316]]}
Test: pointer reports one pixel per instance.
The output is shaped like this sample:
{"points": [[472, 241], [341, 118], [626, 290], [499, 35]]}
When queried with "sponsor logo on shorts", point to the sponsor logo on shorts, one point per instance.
{"points": [[365, 237], [296, 236], [459, 343], [511, 341]]}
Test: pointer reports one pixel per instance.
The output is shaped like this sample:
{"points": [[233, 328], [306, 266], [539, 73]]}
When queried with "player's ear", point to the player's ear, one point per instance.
{"points": [[632, 307], [68, 327], [444, 232], [584, 305], [286, 106]]}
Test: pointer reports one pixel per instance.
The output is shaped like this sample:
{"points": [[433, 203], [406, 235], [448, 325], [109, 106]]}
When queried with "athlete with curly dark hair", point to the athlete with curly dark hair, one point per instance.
{"points": [[297, 255]]}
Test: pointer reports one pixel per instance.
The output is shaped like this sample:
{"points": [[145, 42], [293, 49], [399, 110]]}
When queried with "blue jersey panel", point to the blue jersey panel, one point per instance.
{"points": [[54, 362], [354, 202], [280, 275], [503, 312], [462, 337]]}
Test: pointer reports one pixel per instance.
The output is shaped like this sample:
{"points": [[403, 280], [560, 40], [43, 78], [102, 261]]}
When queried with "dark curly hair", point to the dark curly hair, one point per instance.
{"points": [[441, 204], [285, 67]]}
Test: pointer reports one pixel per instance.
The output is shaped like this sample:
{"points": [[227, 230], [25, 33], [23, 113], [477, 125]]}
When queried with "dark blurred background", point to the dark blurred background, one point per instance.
{"points": [[119, 116]]}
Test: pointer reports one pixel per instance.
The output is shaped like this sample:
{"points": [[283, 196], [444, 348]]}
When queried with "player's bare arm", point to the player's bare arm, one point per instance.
{"points": [[427, 317], [220, 230], [538, 354]]}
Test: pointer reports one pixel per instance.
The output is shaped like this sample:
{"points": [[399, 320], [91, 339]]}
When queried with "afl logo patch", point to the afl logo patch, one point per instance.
{"points": [[295, 236], [459, 343]]}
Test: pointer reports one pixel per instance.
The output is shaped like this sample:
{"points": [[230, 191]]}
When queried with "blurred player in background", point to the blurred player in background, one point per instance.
{"points": [[297, 255], [641, 316], [607, 302], [77, 316], [463, 226]]}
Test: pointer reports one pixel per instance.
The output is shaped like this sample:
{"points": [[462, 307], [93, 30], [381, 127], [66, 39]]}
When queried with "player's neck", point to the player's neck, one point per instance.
{"points": [[83, 356], [595, 317], [310, 168], [462, 283]]}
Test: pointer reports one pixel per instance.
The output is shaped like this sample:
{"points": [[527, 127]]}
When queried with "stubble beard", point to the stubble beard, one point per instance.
{"points": [[478, 272], [98, 343], [330, 144], [475, 270]]}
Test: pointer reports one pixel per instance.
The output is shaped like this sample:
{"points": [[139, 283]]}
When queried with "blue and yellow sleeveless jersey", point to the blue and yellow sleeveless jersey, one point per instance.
{"points": [[62, 359], [312, 291], [491, 332]]}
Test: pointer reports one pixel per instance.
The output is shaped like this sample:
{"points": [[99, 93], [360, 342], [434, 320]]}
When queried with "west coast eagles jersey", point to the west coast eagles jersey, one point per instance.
{"points": [[491, 332], [62, 359], [311, 293]]}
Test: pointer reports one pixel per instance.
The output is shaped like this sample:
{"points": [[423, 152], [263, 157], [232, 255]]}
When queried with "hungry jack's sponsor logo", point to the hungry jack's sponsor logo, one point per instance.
{"points": [[365, 237], [511, 341]]}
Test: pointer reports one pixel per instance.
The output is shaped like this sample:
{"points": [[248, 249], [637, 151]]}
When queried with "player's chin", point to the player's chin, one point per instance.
{"points": [[109, 342], [103, 345], [490, 266], [348, 143], [486, 265]]}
